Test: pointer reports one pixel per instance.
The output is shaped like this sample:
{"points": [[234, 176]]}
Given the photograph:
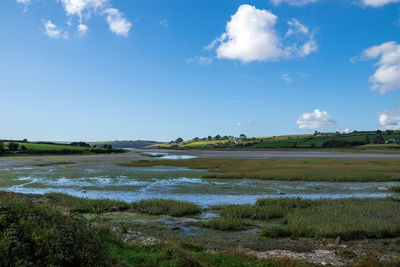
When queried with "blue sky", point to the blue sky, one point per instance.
{"points": [[113, 69]]}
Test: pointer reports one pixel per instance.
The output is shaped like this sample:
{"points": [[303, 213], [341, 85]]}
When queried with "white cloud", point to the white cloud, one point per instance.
{"points": [[293, 2], [378, 3], [83, 9], [287, 78], [387, 77], [296, 27], [118, 24], [25, 3], [53, 31], [251, 36], [200, 60], [315, 120], [82, 29], [346, 131], [164, 23], [78, 7], [390, 119]]}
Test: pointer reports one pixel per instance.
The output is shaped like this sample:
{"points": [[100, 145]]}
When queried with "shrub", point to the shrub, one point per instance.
{"points": [[33, 235], [13, 146]]}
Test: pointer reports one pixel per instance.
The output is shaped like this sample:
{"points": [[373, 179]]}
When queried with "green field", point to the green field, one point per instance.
{"points": [[33, 146], [334, 170], [291, 141]]}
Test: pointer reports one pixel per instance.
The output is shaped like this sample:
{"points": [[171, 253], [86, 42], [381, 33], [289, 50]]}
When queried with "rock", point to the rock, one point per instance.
{"points": [[338, 240]]}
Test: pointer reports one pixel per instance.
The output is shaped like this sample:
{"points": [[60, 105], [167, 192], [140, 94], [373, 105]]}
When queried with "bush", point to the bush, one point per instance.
{"points": [[13, 146], [166, 207], [341, 143], [33, 235]]}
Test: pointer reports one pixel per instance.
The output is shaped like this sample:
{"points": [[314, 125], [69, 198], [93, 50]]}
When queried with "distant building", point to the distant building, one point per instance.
{"points": [[392, 141]]}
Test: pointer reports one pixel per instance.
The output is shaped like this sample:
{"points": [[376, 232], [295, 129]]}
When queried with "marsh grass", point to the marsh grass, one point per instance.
{"points": [[348, 218], [332, 170], [395, 189], [151, 207], [166, 207], [84, 205], [225, 224]]}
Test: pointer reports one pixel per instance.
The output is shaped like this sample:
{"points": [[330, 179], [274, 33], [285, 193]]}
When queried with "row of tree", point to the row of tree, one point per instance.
{"points": [[12, 146], [211, 138]]}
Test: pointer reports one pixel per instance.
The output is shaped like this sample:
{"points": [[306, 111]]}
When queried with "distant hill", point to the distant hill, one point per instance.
{"points": [[127, 144], [359, 139]]}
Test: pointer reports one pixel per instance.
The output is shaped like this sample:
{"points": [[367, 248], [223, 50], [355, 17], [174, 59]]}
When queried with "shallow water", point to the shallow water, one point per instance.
{"points": [[133, 184]]}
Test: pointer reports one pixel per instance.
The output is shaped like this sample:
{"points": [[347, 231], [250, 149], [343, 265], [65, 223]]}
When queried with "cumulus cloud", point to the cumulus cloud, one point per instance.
{"points": [[293, 2], [390, 119], [387, 76], [251, 36], [378, 3], [82, 29], [117, 23], [200, 60], [315, 120], [78, 7], [53, 31]]}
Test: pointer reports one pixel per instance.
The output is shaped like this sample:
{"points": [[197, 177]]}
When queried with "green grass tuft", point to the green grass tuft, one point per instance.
{"points": [[166, 207], [84, 205]]}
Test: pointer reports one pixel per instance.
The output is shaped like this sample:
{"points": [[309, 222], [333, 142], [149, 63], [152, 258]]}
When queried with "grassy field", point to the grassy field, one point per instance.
{"points": [[33, 146], [306, 141], [335, 170]]}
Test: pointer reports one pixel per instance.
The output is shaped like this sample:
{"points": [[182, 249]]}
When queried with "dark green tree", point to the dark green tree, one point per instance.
{"points": [[242, 136], [378, 139], [366, 140], [179, 140], [1, 147], [13, 146]]}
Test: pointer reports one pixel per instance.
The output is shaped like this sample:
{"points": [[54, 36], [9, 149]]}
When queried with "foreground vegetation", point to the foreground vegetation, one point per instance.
{"points": [[34, 234], [334, 170], [348, 218], [363, 140]]}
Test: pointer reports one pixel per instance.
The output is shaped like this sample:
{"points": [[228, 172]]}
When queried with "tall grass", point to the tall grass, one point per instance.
{"points": [[395, 189], [325, 218], [152, 206], [166, 207], [225, 224], [333, 170], [84, 205]]}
